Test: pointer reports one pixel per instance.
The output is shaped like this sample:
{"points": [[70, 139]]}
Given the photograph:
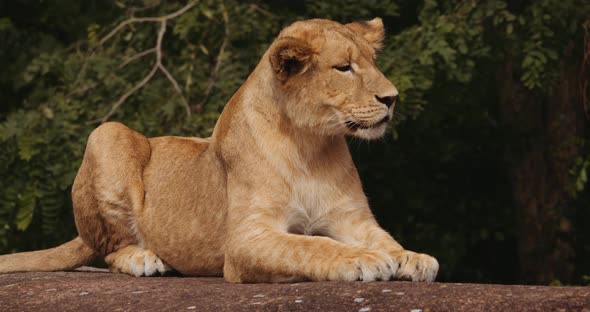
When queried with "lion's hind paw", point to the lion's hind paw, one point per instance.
{"points": [[136, 261]]}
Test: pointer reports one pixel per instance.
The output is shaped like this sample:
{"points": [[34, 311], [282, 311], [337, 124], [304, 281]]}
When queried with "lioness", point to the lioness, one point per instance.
{"points": [[272, 195]]}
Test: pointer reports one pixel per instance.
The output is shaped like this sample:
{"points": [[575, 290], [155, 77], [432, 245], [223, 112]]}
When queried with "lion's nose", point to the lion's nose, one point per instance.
{"points": [[387, 100]]}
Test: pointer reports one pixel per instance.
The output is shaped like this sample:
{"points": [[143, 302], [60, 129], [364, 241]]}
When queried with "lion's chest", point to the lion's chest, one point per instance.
{"points": [[311, 200]]}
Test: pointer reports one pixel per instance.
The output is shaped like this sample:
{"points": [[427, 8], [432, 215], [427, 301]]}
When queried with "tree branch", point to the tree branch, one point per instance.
{"points": [[132, 10], [157, 66], [146, 19], [137, 56], [262, 11], [122, 99], [185, 103]]}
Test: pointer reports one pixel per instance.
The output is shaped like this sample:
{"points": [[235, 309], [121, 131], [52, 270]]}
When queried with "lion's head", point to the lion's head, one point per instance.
{"points": [[329, 80]]}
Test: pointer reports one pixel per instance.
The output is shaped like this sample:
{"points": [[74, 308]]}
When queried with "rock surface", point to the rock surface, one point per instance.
{"points": [[91, 289]]}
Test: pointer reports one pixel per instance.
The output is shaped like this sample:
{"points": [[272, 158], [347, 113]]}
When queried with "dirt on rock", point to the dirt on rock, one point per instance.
{"points": [[93, 290]]}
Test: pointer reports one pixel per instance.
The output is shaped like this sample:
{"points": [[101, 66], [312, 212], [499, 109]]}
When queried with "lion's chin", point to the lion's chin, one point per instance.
{"points": [[372, 133]]}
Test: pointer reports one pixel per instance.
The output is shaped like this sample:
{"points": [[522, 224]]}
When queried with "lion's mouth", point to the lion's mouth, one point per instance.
{"points": [[353, 125]]}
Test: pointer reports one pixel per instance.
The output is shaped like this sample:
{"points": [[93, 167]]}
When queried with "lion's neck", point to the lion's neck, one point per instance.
{"points": [[253, 117]]}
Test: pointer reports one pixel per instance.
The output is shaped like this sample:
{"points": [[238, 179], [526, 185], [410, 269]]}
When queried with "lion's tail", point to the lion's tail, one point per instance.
{"points": [[70, 255]]}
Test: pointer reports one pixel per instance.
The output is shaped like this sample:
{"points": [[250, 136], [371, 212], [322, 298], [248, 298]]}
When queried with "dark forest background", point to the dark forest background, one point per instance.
{"points": [[485, 166]]}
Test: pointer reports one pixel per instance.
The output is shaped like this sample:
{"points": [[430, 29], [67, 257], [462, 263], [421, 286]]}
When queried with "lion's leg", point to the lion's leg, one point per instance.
{"points": [[359, 228], [108, 190], [262, 254], [136, 261]]}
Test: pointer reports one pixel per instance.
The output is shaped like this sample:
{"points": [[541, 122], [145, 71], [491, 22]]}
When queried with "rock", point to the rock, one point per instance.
{"points": [[89, 290]]}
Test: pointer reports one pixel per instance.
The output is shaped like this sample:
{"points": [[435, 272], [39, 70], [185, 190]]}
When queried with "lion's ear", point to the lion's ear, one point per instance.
{"points": [[289, 57], [373, 31]]}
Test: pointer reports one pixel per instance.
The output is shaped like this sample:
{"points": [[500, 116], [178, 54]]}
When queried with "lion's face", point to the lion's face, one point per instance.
{"points": [[330, 80]]}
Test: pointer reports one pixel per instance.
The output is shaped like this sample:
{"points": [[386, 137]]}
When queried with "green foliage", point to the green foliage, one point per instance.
{"points": [[447, 41], [5, 24], [541, 42], [440, 186], [350, 8], [580, 174]]}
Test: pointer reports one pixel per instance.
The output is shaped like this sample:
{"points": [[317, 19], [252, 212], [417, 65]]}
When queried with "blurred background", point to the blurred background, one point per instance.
{"points": [[485, 166]]}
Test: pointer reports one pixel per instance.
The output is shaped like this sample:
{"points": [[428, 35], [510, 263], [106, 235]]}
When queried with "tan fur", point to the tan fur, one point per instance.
{"points": [[273, 195], [70, 255]]}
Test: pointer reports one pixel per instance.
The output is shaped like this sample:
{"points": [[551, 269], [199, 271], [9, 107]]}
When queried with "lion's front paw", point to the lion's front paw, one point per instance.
{"points": [[366, 265], [415, 266]]}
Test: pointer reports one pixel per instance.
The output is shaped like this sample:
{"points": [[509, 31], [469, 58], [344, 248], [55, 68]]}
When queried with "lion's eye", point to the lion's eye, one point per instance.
{"points": [[343, 68]]}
